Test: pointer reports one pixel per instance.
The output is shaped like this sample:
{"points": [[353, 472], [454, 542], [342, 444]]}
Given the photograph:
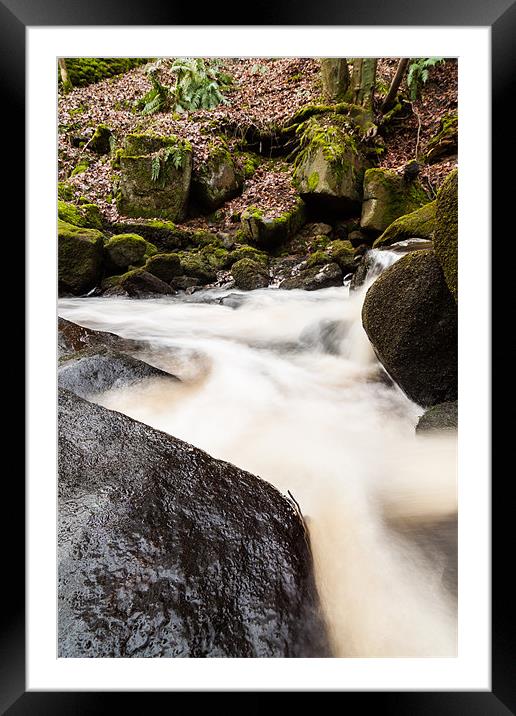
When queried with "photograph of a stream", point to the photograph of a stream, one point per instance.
{"points": [[257, 370]]}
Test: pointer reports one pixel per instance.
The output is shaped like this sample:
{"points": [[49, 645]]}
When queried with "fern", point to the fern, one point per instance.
{"points": [[175, 154], [158, 97], [418, 73], [155, 167], [198, 85]]}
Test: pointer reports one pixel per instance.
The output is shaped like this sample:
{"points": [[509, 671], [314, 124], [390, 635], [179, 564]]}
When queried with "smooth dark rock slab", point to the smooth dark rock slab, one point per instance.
{"points": [[166, 552]]}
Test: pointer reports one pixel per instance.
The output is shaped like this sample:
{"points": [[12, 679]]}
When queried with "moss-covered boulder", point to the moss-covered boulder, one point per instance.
{"points": [[271, 230], [82, 166], [164, 266], [249, 274], [87, 216], [124, 250], [196, 265], [330, 167], [343, 253], [79, 258], [101, 141], [216, 256], [418, 224], [445, 142], [439, 417], [217, 179], [387, 196], [160, 232], [311, 279], [446, 230], [410, 318], [139, 283], [65, 192], [84, 71], [155, 175], [248, 252]]}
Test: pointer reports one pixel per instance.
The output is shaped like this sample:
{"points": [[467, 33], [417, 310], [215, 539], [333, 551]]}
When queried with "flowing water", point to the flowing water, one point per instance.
{"points": [[285, 384]]}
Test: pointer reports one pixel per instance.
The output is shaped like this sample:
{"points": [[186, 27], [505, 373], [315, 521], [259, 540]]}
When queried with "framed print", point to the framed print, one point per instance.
{"points": [[241, 210]]}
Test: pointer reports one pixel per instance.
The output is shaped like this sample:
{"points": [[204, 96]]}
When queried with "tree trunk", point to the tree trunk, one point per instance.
{"points": [[363, 81], [396, 81], [67, 85], [335, 78]]}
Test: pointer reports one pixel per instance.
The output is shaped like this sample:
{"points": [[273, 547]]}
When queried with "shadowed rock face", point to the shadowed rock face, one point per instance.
{"points": [[166, 552], [72, 338]]}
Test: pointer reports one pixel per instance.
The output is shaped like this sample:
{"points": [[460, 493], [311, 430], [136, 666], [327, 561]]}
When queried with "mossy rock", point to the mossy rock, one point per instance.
{"points": [[410, 318], [216, 256], [248, 252], [164, 234], [269, 231], [249, 274], [318, 258], [445, 142], [126, 250], [87, 216], [65, 192], [217, 180], [387, 196], [101, 141], [418, 224], [443, 416], [314, 278], [155, 175], [195, 265], [83, 71], [342, 252], [330, 167], [446, 230], [164, 266], [80, 253]]}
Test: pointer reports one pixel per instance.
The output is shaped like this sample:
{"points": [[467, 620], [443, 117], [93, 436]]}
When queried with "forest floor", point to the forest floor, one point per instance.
{"points": [[265, 93]]}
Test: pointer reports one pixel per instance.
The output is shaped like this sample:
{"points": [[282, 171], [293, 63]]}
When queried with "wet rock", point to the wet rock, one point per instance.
{"points": [[97, 370], [419, 224], [270, 230], [358, 238], [142, 284], [164, 266], [183, 283], [166, 552], [410, 318], [124, 250], [72, 338], [443, 416], [325, 336], [311, 279]]}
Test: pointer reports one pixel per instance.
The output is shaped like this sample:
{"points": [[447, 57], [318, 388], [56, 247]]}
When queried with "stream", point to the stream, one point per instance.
{"points": [[285, 384]]}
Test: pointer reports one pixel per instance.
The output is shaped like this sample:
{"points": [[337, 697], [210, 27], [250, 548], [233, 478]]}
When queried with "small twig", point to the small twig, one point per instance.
{"points": [[418, 129], [300, 515]]}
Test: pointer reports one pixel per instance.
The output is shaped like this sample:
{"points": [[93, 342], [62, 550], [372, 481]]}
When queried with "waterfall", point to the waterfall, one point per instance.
{"points": [[285, 384]]}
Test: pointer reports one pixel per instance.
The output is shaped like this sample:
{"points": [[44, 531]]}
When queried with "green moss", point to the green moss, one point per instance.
{"points": [[81, 166], [102, 140], [196, 265], [216, 256], [342, 252], [313, 181], [248, 252], [419, 224], [446, 231], [65, 192], [387, 196], [249, 163], [318, 258], [249, 274], [86, 215], [84, 71], [445, 142]]}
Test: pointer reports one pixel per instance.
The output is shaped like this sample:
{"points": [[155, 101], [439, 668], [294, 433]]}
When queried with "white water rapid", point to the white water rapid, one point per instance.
{"points": [[286, 385]]}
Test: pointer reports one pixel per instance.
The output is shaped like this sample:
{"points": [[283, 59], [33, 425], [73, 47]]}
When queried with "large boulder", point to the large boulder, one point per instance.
{"points": [[217, 179], [164, 266], [387, 196], [446, 230], [87, 216], [330, 167], [410, 318], [315, 277], [80, 254], [418, 224], [269, 230], [250, 274], [71, 338], [166, 552], [139, 283], [155, 175], [94, 371], [124, 250], [439, 417]]}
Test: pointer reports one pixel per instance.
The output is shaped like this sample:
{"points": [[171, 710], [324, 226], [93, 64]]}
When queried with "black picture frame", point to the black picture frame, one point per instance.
{"points": [[15, 17]]}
